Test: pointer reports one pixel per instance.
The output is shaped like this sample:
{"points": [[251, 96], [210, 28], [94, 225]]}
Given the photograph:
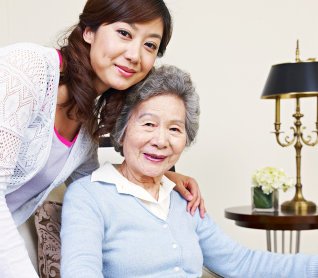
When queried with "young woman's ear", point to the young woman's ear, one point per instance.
{"points": [[88, 35]]}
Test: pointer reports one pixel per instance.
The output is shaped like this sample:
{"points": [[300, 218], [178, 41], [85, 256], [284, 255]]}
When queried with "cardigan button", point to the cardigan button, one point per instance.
{"points": [[176, 269], [174, 246]]}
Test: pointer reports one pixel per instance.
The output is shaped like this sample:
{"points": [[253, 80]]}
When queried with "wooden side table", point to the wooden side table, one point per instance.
{"points": [[273, 221]]}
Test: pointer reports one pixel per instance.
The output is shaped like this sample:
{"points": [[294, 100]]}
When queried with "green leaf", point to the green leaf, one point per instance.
{"points": [[262, 200]]}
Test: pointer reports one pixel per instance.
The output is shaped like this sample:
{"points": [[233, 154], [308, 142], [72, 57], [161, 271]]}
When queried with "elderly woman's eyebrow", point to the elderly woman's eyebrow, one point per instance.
{"points": [[146, 114], [154, 115], [178, 122]]}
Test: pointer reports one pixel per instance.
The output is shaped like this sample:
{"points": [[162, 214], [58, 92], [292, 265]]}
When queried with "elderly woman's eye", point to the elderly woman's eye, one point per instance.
{"points": [[149, 124], [175, 129]]}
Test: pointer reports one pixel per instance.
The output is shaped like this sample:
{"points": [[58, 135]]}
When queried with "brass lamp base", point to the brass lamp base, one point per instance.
{"points": [[298, 206]]}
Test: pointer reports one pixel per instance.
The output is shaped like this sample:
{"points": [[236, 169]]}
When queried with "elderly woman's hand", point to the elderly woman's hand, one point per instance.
{"points": [[189, 189]]}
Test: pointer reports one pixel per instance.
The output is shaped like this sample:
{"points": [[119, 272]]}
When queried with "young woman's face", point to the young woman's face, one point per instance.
{"points": [[122, 54], [155, 136]]}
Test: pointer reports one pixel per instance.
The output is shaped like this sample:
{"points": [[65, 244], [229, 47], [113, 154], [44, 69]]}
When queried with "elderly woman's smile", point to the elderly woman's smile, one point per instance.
{"points": [[155, 137], [154, 157]]}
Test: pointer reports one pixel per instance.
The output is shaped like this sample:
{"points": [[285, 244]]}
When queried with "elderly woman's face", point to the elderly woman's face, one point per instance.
{"points": [[155, 136]]}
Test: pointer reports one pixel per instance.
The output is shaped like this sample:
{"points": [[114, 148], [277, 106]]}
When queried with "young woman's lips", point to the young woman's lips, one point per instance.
{"points": [[124, 71], [155, 158]]}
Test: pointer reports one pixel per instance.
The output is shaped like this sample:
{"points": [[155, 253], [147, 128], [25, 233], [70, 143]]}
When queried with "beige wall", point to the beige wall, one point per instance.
{"points": [[228, 46]]}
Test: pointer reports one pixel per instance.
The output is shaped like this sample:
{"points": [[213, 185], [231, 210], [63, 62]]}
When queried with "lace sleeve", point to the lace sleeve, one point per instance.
{"points": [[19, 103], [27, 90], [14, 258]]}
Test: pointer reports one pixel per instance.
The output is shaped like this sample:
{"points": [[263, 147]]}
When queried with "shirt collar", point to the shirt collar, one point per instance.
{"points": [[108, 173]]}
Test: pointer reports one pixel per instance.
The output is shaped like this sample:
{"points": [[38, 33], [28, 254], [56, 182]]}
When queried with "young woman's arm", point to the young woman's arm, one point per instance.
{"points": [[17, 105]]}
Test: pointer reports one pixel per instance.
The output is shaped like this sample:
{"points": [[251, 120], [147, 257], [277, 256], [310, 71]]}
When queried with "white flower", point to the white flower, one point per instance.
{"points": [[270, 179]]}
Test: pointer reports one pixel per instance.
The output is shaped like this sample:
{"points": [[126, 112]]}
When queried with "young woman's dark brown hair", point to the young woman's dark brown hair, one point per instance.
{"points": [[77, 72]]}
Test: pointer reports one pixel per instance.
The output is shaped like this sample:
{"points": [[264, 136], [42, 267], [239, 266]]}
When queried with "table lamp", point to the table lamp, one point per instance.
{"points": [[294, 81]]}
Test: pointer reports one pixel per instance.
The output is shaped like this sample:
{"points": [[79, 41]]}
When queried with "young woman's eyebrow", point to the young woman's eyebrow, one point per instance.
{"points": [[153, 35]]}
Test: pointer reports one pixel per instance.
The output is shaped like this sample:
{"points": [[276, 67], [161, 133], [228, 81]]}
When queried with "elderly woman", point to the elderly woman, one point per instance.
{"points": [[126, 221]]}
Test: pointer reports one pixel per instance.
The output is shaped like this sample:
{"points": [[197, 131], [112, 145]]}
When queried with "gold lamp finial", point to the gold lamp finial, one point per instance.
{"points": [[297, 52]]}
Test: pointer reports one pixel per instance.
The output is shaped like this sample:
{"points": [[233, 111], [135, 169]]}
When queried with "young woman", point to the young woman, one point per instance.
{"points": [[49, 110]]}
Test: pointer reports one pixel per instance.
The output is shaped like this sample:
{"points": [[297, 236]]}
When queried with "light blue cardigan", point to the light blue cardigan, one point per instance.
{"points": [[107, 234]]}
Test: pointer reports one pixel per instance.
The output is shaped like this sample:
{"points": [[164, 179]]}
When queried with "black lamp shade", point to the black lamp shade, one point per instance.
{"points": [[292, 80]]}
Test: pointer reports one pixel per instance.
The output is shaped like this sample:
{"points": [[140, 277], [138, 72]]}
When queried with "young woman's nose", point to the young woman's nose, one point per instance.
{"points": [[133, 52]]}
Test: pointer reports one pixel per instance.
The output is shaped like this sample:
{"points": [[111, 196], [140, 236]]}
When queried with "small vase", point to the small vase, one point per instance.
{"points": [[262, 202]]}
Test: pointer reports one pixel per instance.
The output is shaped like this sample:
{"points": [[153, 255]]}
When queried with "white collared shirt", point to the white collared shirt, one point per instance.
{"points": [[108, 173]]}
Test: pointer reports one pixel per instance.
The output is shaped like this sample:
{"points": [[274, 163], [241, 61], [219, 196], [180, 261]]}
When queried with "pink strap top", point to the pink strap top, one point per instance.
{"points": [[64, 140], [60, 56]]}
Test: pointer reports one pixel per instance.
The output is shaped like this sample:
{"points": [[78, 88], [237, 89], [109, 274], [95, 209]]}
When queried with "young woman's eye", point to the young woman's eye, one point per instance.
{"points": [[124, 33], [151, 45]]}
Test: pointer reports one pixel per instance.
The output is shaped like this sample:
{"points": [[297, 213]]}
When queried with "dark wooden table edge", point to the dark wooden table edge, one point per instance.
{"points": [[271, 221]]}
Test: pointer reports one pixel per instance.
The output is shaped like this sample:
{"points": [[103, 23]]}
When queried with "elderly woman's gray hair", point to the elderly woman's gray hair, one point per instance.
{"points": [[161, 81]]}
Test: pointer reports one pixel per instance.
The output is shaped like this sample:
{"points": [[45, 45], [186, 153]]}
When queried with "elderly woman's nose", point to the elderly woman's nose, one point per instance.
{"points": [[160, 138]]}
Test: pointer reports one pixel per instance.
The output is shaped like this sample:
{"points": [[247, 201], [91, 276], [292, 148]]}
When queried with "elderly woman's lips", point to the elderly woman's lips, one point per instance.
{"points": [[153, 157]]}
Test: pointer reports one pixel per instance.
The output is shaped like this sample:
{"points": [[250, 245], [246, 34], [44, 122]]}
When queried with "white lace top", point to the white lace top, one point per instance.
{"points": [[29, 78]]}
